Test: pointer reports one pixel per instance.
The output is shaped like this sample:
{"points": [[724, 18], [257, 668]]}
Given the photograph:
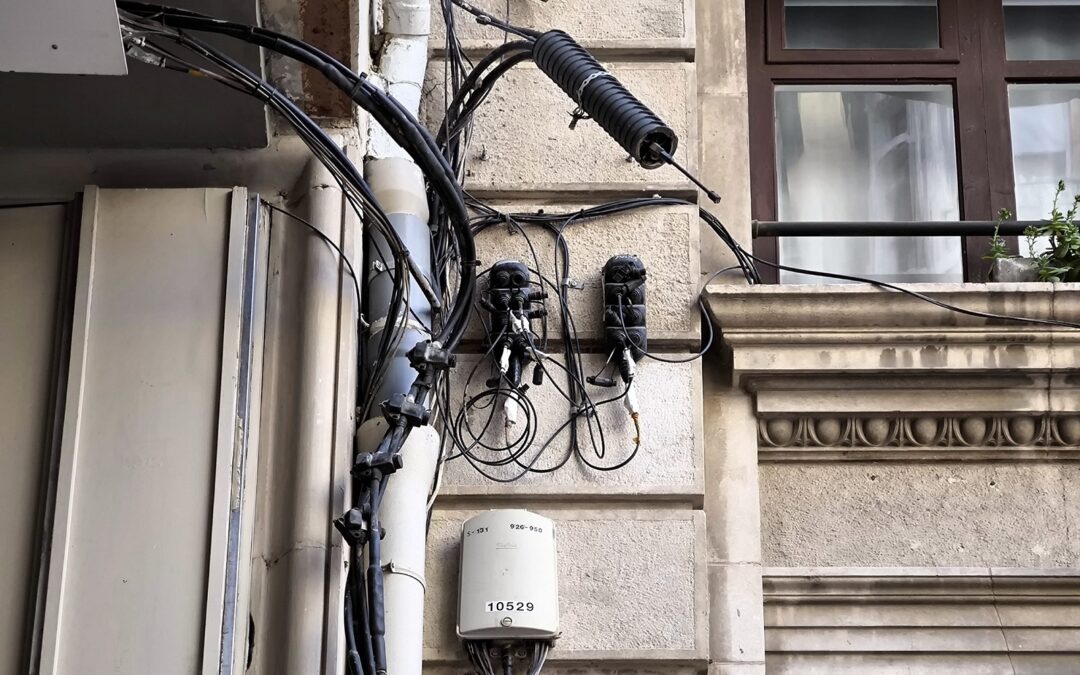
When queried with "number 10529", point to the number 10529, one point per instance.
{"points": [[510, 606]]}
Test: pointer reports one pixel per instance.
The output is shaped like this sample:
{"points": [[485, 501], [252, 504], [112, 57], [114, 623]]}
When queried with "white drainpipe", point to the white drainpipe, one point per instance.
{"points": [[399, 186]]}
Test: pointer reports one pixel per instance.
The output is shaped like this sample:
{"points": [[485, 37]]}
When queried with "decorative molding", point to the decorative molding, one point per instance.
{"points": [[839, 331], [802, 585], [829, 614], [832, 437]]}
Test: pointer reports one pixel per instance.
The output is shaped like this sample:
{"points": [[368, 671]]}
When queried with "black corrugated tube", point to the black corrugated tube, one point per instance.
{"points": [[604, 98]]}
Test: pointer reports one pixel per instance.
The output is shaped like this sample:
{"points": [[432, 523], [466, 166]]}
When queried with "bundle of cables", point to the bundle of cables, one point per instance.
{"points": [[472, 426], [165, 37]]}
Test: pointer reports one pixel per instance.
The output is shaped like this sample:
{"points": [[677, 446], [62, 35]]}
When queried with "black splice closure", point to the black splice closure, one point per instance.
{"points": [[624, 307], [603, 98]]}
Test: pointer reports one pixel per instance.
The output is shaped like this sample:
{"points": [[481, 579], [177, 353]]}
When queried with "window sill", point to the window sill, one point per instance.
{"points": [[860, 307], [830, 366], [855, 329]]}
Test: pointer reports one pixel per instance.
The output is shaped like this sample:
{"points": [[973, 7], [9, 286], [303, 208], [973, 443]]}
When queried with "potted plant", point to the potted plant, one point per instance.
{"points": [[1058, 241]]}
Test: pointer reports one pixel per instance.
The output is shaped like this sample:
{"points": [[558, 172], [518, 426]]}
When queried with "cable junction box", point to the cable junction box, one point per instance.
{"points": [[509, 577]]}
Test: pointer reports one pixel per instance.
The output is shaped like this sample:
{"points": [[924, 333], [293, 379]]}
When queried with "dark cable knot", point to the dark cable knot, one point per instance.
{"points": [[578, 115]]}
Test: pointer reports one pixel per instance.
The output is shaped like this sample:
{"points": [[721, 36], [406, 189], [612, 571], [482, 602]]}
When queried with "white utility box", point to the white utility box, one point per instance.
{"points": [[509, 577]]}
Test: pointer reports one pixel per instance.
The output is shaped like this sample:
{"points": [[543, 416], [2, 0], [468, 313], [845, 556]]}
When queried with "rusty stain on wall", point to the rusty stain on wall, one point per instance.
{"points": [[326, 26]]}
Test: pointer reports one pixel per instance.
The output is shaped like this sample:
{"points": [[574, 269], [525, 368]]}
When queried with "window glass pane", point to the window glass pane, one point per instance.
{"points": [[1042, 30], [1045, 123], [860, 24], [868, 153]]}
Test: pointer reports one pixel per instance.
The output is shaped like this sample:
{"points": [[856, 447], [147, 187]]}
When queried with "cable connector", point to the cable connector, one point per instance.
{"points": [[401, 410], [354, 527], [430, 353], [630, 400], [135, 49]]}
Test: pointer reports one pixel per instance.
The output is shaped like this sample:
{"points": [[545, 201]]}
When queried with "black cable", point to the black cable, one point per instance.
{"points": [[485, 19], [327, 240], [915, 294], [386, 110], [33, 204]]}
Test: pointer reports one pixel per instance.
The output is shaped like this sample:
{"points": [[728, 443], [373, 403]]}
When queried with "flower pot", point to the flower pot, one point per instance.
{"points": [[1014, 269]]}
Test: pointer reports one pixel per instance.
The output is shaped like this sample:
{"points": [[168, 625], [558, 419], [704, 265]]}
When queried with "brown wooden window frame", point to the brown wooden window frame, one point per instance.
{"points": [[971, 59]]}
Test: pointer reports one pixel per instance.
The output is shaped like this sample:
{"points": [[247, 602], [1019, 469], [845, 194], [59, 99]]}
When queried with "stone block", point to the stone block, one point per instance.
{"points": [[735, 615], [669, 462], [665, 238], [523, 143], [632, 586], [657, 25], [725, 166], [950, 514], [721, 55]]}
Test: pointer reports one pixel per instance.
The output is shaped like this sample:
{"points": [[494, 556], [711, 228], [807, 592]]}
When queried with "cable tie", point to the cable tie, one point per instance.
{"points": [[261, 87], [357, 87], [588, 80]]}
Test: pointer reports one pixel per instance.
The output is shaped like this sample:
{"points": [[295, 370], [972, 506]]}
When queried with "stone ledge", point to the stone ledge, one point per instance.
{"points": [[912, 611], [913, 663], [911, 584], [614, 607], [841, 308], [787, 337]]}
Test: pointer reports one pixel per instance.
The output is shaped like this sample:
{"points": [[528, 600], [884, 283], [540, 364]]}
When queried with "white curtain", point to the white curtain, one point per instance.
{"points": [[865, 153]]}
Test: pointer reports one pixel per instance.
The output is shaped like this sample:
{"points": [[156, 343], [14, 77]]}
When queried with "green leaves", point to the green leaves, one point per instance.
{"points": [[997, 244], [1060, 261]]}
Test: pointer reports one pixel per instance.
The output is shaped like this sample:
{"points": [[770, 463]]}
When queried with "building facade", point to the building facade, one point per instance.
{"points": [[851, 480]]}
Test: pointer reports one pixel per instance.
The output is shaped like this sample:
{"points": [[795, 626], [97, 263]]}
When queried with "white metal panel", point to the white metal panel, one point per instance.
{"points": [[509, 577], [144, 476], [61, 36], [30, 258]]}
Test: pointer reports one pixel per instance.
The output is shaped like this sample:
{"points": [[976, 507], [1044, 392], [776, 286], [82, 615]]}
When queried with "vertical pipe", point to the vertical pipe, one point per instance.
{"points": [[399, 186]]}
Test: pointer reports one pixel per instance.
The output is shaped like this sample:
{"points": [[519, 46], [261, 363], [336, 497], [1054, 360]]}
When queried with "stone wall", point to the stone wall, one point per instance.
{"points": [[918, 476], [633, 579]]}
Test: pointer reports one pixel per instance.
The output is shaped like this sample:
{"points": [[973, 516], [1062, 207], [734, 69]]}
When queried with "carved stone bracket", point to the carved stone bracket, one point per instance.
{"points": [[950, 438]]}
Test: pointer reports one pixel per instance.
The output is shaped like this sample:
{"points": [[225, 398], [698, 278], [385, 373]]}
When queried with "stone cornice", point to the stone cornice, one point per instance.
{"points": [[860, 308], [854, 372], [848, 329], [802, 585]]}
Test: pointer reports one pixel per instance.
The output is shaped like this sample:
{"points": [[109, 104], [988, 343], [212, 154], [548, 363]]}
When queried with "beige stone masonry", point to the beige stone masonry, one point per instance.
{"points": [[665, 238], [631, 26], [724, 123], [918, 514], [632, 587], [668, 465], [523, 143]]}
